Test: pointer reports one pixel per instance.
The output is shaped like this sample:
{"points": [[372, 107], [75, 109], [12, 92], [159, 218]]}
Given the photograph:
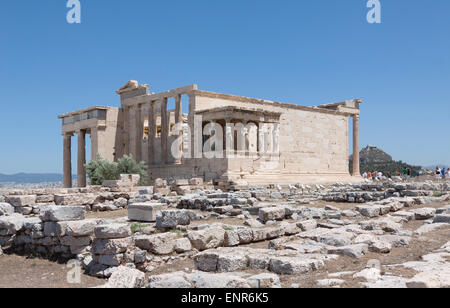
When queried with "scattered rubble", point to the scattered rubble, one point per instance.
{"points": [[275, 231]]}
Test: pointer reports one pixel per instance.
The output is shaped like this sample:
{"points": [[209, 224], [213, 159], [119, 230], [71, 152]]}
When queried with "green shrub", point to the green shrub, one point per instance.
{"points": [[100, 170], [438, 194], [127, 165]]}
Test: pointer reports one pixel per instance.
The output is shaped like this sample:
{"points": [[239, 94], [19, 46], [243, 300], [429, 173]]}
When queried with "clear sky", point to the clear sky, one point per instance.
{"points": [[307, 52]]}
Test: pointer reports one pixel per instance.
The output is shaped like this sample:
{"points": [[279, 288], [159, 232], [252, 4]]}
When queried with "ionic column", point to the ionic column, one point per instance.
{"points": [[151, 134], [196, 128], [81, 172], [356, 169], [179, 122], [126, 130], [178, 109], [67, 161], [139, 134], [164, 132], [94, 143], [132, 134]]}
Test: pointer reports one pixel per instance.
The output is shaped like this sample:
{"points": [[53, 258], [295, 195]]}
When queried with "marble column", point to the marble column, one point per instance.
{"points": [[67, 161], [356, 169], [139, 134], [178, 109], [151, 134], [132, 133], [81, 169], [126, 130], [94, 143], [164, 132], [179, 122], [195, 126]]}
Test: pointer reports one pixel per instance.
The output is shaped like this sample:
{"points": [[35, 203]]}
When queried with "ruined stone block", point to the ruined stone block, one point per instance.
{"points": [[145, 212], [24, 200]]}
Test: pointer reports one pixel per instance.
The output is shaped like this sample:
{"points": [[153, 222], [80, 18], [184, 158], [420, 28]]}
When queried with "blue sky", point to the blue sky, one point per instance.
{"points": [[303, 52]]}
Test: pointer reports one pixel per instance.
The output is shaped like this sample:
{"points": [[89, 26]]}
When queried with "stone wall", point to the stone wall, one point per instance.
{"points": [[312, 143]]}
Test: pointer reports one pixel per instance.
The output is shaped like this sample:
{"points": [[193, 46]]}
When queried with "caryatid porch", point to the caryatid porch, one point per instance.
{"points": [[246, 132]]}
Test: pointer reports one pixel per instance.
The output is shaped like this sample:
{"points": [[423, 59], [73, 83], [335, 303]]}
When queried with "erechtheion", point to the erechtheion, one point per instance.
{"points": [[223, 138]]}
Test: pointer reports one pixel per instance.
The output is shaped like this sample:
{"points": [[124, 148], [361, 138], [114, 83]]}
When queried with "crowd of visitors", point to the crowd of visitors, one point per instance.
{"points": [[442, 174], [376, 175], [405, 173]]}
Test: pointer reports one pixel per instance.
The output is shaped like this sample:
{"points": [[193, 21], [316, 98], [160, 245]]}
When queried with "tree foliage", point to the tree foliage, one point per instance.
{"points": [[100, 169], [127, 165], [393, 167]]}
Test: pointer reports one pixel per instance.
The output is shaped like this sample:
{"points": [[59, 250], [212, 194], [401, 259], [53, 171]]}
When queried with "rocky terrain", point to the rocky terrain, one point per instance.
{"points": [[188, 234]]}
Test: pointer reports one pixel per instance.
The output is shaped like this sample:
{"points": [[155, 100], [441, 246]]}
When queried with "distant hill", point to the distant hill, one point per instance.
{"points": [[375, 159], [374, 155], [31, 178]]}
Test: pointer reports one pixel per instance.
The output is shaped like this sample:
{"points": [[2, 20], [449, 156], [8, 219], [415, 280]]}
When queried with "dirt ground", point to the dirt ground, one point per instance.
{"points": [[22, 272], [107, 215]]}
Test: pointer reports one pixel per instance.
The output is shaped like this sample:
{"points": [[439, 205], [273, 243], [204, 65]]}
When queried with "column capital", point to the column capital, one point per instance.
{"points": [[69, 134]]}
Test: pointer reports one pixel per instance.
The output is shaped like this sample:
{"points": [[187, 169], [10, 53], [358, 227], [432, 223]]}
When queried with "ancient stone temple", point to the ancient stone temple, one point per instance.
{"points": [[220, 138]]}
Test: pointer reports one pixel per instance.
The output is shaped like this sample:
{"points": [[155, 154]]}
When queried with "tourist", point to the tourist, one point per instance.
{"points": [[443, 172], [365, 175], [448, 173], [369, 176], [438, 173]]}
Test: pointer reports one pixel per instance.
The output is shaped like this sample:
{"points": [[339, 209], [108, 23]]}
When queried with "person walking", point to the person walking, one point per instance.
{"points": [[438, 173]]}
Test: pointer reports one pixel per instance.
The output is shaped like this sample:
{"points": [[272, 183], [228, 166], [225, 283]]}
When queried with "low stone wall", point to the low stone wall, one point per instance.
{"points": [[95, 198]]}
